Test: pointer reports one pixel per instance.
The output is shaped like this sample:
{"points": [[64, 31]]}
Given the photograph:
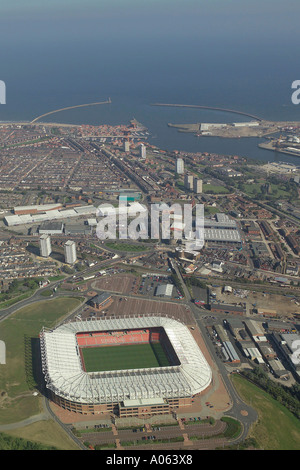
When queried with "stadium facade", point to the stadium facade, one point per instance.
{"points": [[130, 392]]}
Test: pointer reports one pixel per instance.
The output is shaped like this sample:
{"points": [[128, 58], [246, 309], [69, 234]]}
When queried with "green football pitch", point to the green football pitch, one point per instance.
{"points": [[123, 357]]}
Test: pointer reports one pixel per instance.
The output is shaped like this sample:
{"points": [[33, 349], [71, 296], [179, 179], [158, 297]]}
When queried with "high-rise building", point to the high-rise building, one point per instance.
{"points": [[188, 181], [70, 252], [179, 166], [142, 151], [197, 186], [126, 146], [45, 245]]}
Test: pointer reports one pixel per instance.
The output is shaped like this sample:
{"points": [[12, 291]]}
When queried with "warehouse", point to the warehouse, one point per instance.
{"points": [[164, 290], [77, 229], [51, 228], [49, 215], [278, 369], [221, 333], [289, 346], [254, 328], [102, 300], [231, 352], [221, 221], [217, 237], [254, 355], [229, 309], [35, 209], [267, 351], [234, 325]]}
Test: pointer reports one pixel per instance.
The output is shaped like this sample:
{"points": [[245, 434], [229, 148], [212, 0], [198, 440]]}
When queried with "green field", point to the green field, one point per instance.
{"points": [[126, 246], [123, 357], [20, 333], [277, 428]]}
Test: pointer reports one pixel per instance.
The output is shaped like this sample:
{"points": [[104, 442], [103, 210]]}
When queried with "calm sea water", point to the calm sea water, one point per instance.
{"points": [[244, 60]]}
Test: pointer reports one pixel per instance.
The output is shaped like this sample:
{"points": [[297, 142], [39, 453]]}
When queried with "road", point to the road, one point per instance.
{"points": [[239, 410]]}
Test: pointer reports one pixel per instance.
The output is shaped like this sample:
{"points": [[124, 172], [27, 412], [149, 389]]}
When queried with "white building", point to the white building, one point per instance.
{"points": [[164, 290], [70, 252], [197, 186], [45, 245], [246, 124], [188, 181], [126, 146], [179, 166], [142, 151], [66, 378]]}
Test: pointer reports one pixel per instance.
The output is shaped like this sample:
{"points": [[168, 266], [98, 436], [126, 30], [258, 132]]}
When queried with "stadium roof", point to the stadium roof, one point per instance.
{"points": [[65, 376]]}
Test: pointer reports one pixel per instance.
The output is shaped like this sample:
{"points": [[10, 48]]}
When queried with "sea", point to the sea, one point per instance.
{"points": [[241, 62]]}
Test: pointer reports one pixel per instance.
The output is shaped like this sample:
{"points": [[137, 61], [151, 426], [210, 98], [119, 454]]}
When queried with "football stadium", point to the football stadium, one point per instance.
{"points": [[129, 366]]}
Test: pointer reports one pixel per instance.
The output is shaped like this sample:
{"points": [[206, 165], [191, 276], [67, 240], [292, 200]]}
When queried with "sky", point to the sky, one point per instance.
{"points": [[222, 15]]}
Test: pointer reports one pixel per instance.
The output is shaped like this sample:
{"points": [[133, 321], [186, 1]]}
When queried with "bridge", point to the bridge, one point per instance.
{"points": [[70, 107], [209, 107]]}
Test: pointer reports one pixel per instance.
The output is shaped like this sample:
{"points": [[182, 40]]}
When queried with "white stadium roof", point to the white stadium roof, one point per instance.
{"points": [[65, 376]]}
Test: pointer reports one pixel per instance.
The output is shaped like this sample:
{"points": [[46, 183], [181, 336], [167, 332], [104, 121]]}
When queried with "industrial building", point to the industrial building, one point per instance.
{"points": [[218, 232], [228, 309], [253, 354], [255, 329], [222, 238], [101, 301], [51, 228], [36, 209], [49, 215], [221, 232], [229, 352], [164, 290], [278, 368], [186, 254], [234, 325], [77, 229], [288, 343]]}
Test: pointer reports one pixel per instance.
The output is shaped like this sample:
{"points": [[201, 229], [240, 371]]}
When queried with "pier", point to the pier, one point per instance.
{"points": [[70, 107], [233, 111]]}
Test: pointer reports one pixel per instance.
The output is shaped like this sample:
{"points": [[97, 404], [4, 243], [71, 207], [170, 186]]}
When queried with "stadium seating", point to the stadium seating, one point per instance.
{"points": [[107, 338]]}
